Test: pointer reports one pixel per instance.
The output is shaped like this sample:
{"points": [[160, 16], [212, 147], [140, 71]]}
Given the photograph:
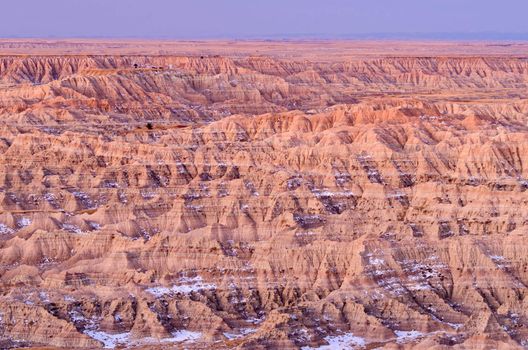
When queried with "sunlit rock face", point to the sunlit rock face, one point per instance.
{"points": [[238, 201]]}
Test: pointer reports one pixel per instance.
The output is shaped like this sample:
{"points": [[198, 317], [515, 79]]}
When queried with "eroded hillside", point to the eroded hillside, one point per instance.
{"points": [[208, 201]]}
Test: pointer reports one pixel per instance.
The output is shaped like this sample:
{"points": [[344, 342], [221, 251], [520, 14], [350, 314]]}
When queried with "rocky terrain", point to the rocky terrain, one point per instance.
{"points": [[216, 201]]}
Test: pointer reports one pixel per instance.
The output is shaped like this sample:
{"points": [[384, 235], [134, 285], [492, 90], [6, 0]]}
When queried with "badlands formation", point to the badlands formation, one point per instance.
{"points": [[209, 196]]}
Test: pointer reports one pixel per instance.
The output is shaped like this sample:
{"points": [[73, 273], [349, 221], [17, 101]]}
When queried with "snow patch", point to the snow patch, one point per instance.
{"points": [[456, 326], [376, 261], [76, 316], [498, 258], [6, 230], [44, 297], [241, 333], [341, 342], [110, 341], [293, 183], [23, 222], [71, 228], [186, 285], [407, 336], [69, 299], [194, 207], [110, 184], [50, 197], [326, 193], [84, 199], [94, 225], [182, 336], [147, 194], [305, 233]]}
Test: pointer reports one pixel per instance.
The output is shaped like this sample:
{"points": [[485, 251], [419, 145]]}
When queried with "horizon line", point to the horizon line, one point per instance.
{"points": [[411, 36]]}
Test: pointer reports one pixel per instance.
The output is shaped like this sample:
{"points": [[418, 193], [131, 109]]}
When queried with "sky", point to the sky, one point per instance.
{"points": [[274, 19]]}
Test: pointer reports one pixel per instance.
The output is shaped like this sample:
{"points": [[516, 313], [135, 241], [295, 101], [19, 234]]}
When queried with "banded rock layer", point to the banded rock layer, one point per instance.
{"points": [[257, 202]]}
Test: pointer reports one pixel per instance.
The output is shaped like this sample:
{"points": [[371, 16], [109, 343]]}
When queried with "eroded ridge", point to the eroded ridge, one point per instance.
{"points": [[263, 202]]}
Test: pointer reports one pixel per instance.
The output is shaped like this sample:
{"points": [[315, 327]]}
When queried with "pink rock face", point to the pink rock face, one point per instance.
{"points": [[211, 198]]}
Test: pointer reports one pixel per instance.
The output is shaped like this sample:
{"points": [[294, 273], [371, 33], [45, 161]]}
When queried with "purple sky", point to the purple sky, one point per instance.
{"points": [[189, 19]]}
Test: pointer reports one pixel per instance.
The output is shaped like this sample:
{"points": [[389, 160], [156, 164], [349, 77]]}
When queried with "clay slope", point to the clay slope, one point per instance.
{"points": [[161, 202]]}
